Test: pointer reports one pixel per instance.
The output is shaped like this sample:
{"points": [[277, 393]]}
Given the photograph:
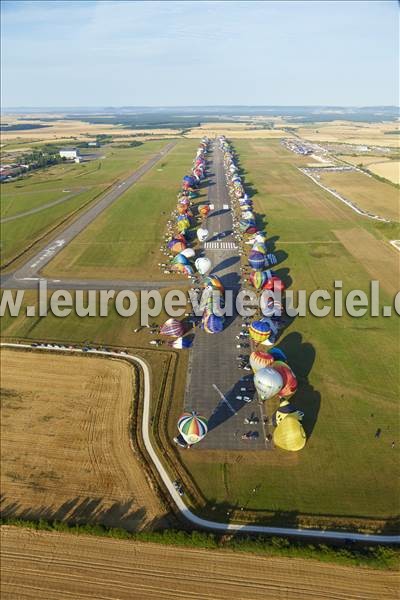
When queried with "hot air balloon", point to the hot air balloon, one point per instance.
{"points": [[290, 435], [180, 268], [192, 427], [182, 342], [260, 238], [274, 283], [214, 282], [271, 260], [268, 382], [258, 247], [202, 234], [278, 354], [204, 209], [257, 260], [260, 330], [212, 323], [271, 306], [183, 224], [258, 278], [180, 259], [260, 359], [176, 246], [285, 409], [214, 301], [203, 265], [289, 379], [188, 253], [172, 328]]}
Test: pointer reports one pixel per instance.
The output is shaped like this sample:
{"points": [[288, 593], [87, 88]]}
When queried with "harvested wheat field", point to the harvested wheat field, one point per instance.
{"points": [[389, 170], [65, 442], [57, 566]]}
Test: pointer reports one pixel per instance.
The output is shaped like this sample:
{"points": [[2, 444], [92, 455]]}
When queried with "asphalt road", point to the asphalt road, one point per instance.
{"points": [[213, 381], [27, 276]]}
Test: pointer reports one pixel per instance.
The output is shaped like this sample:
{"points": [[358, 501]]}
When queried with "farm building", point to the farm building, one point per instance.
{"points": [[70, 154]]}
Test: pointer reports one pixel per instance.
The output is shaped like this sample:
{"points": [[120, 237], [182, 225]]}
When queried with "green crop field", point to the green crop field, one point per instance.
{"points": [[86, 179], [124, 241], [347, 367]]}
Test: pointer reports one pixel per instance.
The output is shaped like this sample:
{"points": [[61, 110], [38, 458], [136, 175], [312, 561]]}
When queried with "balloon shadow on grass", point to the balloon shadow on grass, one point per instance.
{"points": [[301, 357]]}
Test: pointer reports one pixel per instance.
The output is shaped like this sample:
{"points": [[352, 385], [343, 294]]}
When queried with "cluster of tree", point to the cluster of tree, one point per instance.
{"points": [[21, 126], [39, 158]]}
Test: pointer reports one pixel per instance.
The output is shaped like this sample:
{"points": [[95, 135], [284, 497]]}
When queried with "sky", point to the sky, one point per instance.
{"points": [[134, 53]]}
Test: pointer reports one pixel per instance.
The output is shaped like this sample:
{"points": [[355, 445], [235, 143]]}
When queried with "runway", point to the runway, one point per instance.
{"points": [[213, 380]]}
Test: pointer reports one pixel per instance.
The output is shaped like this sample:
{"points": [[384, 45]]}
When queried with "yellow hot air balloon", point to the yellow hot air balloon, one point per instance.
{"points": [[290, 435]]}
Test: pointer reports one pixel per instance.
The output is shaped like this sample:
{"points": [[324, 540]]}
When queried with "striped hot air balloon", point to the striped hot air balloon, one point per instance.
{"points": [[260, 359], [192, 427], [260, 330], [289, 379], [258, 278], [257, 260], [172, 328]]}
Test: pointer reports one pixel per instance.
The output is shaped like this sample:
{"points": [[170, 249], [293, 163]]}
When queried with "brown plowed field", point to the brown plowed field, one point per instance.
{"points": [[65, 442], [60, 566]]}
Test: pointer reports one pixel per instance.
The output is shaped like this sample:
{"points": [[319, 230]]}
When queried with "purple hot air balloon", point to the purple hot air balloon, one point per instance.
{"points": [[257, 260]]}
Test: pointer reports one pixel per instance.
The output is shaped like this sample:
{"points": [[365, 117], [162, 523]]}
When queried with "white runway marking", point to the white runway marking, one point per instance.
{"points": [[220, 245], [224, 399]]}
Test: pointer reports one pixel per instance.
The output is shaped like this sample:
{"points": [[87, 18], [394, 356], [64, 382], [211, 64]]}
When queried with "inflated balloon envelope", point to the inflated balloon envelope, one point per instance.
{"points": [[202, 234], [203, 265], [268, 382], [290, 435], [285, 409]]}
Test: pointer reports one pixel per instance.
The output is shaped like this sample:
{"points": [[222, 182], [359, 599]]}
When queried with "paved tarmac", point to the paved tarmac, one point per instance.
{"points": [[213, 377]]}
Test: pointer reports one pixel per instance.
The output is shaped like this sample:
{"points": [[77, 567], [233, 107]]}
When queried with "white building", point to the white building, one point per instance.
{"points": [[70, 154]]}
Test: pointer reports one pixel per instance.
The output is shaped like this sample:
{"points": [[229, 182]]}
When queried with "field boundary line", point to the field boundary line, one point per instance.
{"points": [[352, 205], [177, 499]]}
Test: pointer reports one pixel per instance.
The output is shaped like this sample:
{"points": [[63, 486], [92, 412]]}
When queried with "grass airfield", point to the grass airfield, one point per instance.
{"points": [[346, 367], [88, 180], [124, 241], [343, 470]]}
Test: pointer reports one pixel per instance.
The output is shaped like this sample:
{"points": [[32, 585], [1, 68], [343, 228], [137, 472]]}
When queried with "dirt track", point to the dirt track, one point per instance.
{"points": [[59, 566], [65, 441]]}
